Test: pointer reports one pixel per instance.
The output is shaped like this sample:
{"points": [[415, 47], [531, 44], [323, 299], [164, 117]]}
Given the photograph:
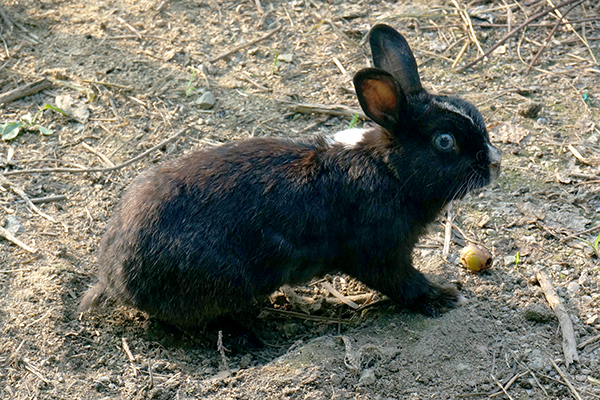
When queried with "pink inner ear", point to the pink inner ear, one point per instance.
{"points": [[380, 96]]}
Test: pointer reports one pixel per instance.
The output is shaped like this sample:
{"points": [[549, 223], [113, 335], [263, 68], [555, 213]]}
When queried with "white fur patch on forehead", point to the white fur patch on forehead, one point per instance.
{"points": [[452, 108], [348, 137]]}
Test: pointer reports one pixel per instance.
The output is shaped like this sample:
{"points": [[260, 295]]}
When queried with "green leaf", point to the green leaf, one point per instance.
{"points": [[10, 130], [51, 107], [353, 122], [43, 130]]}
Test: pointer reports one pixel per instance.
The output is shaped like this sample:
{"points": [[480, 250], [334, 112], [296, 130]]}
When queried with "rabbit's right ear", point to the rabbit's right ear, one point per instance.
{"points": [[392, 53], [379, 96]]}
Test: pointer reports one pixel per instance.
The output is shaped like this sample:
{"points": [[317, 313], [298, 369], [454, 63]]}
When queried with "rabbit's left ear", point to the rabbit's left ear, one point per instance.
{"points": [[392, 53], [380, 97]]}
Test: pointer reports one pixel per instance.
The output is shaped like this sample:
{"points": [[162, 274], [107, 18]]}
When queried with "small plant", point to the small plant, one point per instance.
{"points": [[353, 121], [275, 62], [517, 259], [10, 130], [189, 88], [595, 246]]}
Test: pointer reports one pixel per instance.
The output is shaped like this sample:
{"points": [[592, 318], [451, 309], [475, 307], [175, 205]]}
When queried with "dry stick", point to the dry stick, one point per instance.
{"points": [[250, 43], [83, 170], [105, 159], [307, 317], [47, 199], [568, 343], [127, 349], [24, 196], [448, 232], [306, 108], [562, 374], [11, 238], [570, 27], [29, 89], [467, 20], [340, 296], [517, 29], [130, 27], [550, 36], [589, 341], [502, 387], [221, 350], [509, 384], [593, 229]]}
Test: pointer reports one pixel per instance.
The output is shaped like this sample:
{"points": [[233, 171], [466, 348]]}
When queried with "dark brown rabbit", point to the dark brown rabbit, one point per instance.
{"points": [[206, 234]]}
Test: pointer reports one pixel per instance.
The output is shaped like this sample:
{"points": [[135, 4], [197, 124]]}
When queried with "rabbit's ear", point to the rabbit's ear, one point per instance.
{"points": [[391, 53], [379, 96]]}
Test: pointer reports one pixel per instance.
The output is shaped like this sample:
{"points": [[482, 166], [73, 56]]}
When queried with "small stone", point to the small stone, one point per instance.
{"points": [[13, 225], [537, 313], [286, 58], [573, 287], [206, 101], [367, 377], [463, 368], [531, 109]]}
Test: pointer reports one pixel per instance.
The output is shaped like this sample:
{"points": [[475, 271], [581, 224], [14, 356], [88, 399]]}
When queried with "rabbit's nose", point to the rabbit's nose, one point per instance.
{"points": [[495, 161]]}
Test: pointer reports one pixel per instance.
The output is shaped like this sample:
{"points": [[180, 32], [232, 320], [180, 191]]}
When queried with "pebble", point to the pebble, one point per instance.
{"points": [[206, 101], [537, 313], [13, 225], [286, 57], [573, 287], [367, 377], [463, 368]]}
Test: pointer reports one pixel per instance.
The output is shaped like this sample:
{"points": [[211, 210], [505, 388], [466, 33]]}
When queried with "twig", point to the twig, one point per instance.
{"points": [[26, 90], [40, 318], [24, 196], [589, 341], [464, 14], [105, 159], [502, 387], [340, 296], [517, 29], [593, 229], [306, 317], [9, 23], [250, 43], [562, 374], [151, 374], [103, 83], [570, 27], [47, 199], [11, 238], [448, 232], [221, 350], [568, 342], [259, 6], [108, 169], [130, 27], [509, 384], [550, 36], [127, 350], [306, 108]]}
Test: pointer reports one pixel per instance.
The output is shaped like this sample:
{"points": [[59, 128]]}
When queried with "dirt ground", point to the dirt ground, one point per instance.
{"points": [[134, 73]]}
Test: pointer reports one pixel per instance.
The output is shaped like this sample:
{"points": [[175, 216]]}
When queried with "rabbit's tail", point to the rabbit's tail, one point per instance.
{"points": [[93, 297]]}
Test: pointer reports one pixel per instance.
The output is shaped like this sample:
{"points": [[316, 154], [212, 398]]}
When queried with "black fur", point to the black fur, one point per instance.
{"points": [[205, 234]]}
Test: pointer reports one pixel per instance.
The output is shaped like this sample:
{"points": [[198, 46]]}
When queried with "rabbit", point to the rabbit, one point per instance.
{"points": [[205, 235]]}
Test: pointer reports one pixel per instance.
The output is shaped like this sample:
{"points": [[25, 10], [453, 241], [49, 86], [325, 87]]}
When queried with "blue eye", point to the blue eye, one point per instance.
{"points": [[444, 142]]}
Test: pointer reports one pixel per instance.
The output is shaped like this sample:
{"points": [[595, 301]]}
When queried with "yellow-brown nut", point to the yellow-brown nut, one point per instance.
{"points": [[475, 258]]}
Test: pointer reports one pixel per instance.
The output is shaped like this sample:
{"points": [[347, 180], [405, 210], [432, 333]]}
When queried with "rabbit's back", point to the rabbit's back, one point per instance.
{"points": [[208, 233]]}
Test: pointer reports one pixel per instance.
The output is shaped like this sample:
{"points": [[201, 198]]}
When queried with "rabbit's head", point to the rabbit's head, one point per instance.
{"points": [[442, 146]]}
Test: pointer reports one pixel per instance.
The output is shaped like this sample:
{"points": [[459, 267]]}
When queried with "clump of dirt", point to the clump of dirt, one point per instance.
{"points": [[133, 73]]}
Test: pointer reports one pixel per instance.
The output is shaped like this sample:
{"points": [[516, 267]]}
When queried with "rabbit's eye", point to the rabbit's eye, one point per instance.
{"points": [[444, 142]]}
